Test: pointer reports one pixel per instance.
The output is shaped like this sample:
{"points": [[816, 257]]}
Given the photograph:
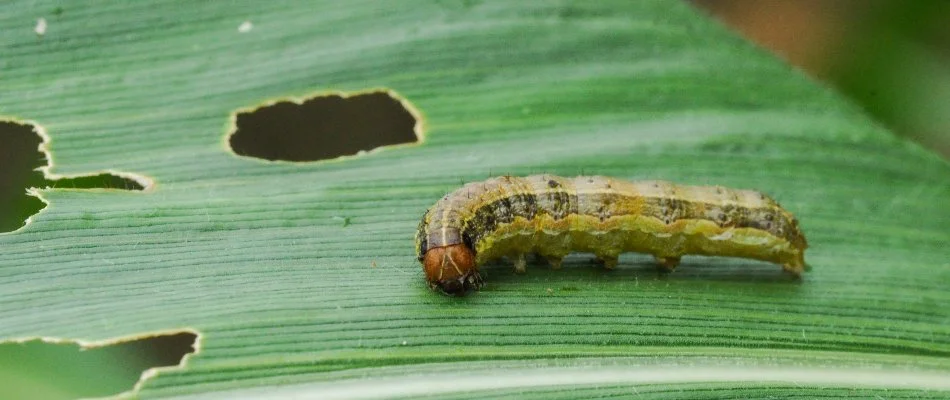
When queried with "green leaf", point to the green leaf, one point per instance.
{"points": [[289, 300]]}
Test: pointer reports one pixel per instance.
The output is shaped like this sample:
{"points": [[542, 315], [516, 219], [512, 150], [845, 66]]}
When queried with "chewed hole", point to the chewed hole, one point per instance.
{"points": [[101, 181], [43, 370], [325, 127], [22, 163]]}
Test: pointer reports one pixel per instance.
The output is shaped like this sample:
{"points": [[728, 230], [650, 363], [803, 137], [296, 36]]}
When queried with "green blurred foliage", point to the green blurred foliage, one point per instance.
{"points": [[19, 158], [40, 370], [897, 66]]}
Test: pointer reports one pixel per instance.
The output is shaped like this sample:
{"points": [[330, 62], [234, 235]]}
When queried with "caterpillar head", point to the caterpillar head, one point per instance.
{"points": [[451, 269]]}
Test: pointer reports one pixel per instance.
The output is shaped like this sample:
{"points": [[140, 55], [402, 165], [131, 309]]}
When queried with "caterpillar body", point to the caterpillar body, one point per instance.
{"points": [[552, 216]]}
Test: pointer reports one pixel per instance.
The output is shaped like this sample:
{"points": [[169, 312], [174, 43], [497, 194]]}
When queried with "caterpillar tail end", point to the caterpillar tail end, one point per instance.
{"points": [[451, 269], [796, 267]]}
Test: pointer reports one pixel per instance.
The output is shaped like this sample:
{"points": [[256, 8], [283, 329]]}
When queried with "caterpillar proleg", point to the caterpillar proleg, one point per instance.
{"points": [[553, 216]]}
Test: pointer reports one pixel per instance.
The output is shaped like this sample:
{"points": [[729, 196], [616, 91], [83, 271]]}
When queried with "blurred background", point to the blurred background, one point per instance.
{"points": [[891, 57]]}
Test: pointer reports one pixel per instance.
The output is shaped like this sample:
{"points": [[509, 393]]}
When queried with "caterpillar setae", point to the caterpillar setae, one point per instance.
{"points": [[552, 216]]}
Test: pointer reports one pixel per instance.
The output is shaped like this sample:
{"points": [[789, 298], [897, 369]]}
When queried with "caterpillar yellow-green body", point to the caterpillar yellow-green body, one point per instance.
{"points": [[553, 216]]}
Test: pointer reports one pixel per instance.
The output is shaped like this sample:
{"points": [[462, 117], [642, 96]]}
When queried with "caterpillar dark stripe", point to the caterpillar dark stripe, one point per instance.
{"points": [[553, 216]]}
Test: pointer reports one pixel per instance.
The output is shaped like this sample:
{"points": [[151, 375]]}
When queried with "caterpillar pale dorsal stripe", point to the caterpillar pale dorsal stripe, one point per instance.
{"points": [[553, 216]]}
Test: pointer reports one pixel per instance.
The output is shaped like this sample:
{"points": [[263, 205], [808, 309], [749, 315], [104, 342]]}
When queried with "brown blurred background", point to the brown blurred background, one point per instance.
{"points": [[892, 57]]}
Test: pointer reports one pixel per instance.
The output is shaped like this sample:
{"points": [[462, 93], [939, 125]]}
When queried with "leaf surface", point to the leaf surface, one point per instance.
{"points": [[289, 300]]}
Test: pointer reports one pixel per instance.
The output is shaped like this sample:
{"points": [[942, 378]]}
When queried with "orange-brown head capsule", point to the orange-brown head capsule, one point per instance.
{"points": [[451, 269]]}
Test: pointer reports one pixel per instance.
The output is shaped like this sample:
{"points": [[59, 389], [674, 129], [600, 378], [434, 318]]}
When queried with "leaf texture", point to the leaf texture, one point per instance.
{"points": [[287, 299]]}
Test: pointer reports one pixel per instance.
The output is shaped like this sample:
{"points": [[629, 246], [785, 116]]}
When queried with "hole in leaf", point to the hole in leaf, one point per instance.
{"points": [[325, 127], [42, 370], [101, 181], [22, 162]]}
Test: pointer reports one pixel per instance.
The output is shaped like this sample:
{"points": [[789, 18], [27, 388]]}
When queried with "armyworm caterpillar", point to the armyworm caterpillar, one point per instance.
{"points": [[553, 216]]}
